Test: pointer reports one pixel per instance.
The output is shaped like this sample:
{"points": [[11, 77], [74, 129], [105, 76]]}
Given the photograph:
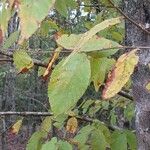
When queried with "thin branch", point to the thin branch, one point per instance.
{"points": [[26, 114], [35, 61], [128, 18], [9, 113], [126, 95]]}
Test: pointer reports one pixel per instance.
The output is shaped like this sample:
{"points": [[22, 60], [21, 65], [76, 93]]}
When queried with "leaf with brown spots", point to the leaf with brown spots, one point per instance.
{"points": [[72, 125], [120, 74]]}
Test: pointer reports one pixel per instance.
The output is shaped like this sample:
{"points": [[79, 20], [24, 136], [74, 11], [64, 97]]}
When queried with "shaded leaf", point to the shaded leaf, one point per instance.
{"points": [[119, 140], [22, 61], [120, 74], [52, 144], [63, 145], [98, 141], [69, 80], [36, 141], [46, 124], [131, 139], [61, 7], [11, 40], [99, 69], [83, 135]]}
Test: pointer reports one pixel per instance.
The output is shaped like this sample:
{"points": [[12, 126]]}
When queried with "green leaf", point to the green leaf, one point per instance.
{"points": [[46, 124], [119, 140], [69, 80], [22, 61], [99, 27], [102, 53], [98, 141], [51, 145], [31, 13], [83, 135], [11, 40], [106, 132], [61, 7], [129, 111], [63, 145], [36, 140], [99, 69], [131, 139], [94, 44], [78, 42]]}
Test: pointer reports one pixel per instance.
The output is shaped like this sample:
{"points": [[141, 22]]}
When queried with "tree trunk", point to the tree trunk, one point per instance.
{"points": [[138, 10]]}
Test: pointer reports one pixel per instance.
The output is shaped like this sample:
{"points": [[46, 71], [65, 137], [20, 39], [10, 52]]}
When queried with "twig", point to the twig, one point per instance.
{"points": [[9, 113], [126, 95], [128, 18], [25, 114], [35, 61]]}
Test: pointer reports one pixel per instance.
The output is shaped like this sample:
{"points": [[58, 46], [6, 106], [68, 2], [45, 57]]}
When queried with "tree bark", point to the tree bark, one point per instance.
{"points": [[138, 10]]}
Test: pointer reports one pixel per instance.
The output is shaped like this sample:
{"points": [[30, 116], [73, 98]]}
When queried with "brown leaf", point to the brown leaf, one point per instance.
{"points": [[51, 62], [72, 125]]}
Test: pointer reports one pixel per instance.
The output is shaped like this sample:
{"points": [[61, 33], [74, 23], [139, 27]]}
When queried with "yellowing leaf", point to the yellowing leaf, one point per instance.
{"points": [[72, 125], [148, 86], [82, 42], [16, 127], [22, 61], [94, 44], [31, 14], [120, 74], [101, 26]]}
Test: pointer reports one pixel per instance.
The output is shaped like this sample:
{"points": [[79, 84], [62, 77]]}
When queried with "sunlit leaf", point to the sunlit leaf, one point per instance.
{"points": [[31, 13], [69, 80], [22, 61], [72, 125], [120, 74]]}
